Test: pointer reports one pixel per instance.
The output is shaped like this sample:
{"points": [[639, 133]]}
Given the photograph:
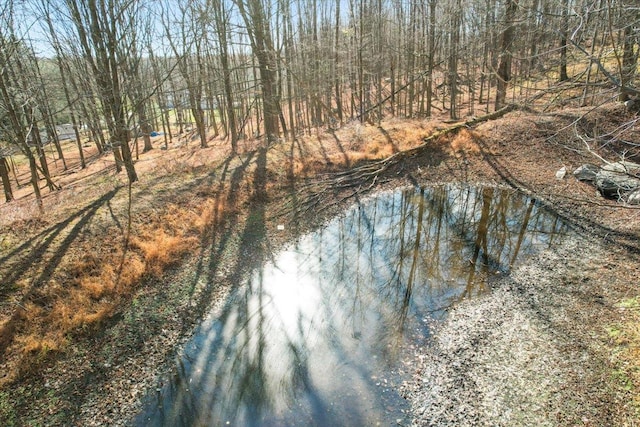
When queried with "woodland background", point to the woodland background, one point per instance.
{"points": [[117, 71]]}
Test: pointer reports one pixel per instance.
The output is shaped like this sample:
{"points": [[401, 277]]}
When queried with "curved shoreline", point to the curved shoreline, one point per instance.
{"points": [[525, 354]]}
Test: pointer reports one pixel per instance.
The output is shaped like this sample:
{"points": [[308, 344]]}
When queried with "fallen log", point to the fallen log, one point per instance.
{"points": [[379, 166], [364, 177]]}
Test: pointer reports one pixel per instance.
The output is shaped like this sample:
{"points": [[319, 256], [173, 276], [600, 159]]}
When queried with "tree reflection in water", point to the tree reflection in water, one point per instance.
{"points": [[313, 337]]}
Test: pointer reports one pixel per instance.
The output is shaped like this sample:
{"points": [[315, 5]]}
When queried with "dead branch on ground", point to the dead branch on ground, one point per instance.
{"points": [[362, 178]]}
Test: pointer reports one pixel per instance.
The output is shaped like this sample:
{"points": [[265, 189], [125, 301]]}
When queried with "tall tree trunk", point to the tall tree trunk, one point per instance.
{"points": [[564, 40], [221, 19], [336, 65], [35, 180], [145, 127], [411, 59], [454, 46], [6, 182], [288, 54], [431, 54], [533, 31], [198, 112], [44, 166], [629, 57], [504, 64], [255, 18], [125, 150]]}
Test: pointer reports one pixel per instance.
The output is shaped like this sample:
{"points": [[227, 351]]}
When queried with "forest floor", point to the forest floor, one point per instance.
{"points": [[87, 327]]}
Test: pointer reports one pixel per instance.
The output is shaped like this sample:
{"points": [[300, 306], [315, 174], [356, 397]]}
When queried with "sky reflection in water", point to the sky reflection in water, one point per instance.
{"points": [[315, 336]]}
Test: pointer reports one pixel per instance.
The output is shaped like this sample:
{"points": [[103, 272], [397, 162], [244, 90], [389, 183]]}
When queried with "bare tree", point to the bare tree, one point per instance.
{"points": [[631, 47], [255, 15], [105, 35], [506, 46], [454, 47], [222, 16], [564, 34], [4, 175]]}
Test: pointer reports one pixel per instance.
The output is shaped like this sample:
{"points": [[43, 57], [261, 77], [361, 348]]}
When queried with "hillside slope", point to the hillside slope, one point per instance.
{"points": [[86, 326]]}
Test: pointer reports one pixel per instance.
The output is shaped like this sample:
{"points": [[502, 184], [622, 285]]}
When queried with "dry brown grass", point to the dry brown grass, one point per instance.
{"points": [[95, 286], [91, 295], [326, 151], [465, 141], [80, 310], [161, 249], [212, 211], [37, 345]]}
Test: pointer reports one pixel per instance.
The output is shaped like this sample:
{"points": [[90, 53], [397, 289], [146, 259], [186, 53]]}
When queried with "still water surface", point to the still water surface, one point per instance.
{"points": [[316, 336]]}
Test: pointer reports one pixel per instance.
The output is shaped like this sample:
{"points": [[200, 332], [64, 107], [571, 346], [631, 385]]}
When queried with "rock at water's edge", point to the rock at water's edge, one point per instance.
{"points": [[586, 173], [634, 197], [616, 179]]}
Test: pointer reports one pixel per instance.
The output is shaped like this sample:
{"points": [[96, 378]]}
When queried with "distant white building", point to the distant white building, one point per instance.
{"points": [[65, 131]]}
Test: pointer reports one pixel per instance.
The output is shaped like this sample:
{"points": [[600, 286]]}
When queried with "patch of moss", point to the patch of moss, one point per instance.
{"points": [[625, 337], [614, 332], [621, 377], [629, 303], [8, 413]]}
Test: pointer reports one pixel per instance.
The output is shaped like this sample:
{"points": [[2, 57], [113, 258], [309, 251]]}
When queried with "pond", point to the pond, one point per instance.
{"points": [[317, 335]]}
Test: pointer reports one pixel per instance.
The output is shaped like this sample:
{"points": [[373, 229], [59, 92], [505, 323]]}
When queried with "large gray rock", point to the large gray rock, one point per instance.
{"points": [[586, 173], [616, 179], [633, 198]]}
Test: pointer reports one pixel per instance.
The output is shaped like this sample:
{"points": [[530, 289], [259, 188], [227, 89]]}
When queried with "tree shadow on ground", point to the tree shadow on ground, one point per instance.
{"points": [[42, 254], [216, 249], [388, 138], [224, 184], [242, 379]]}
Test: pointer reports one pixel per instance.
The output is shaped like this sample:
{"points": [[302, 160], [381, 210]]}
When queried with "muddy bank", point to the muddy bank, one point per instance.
{"points": [[532, 352]]}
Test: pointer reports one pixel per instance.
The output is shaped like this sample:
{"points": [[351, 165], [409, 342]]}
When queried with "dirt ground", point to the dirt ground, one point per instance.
{"points": [[556, 342]]}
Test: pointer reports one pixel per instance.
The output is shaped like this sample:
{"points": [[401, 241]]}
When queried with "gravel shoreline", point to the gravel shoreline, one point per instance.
{"points": [[525, 353]]}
